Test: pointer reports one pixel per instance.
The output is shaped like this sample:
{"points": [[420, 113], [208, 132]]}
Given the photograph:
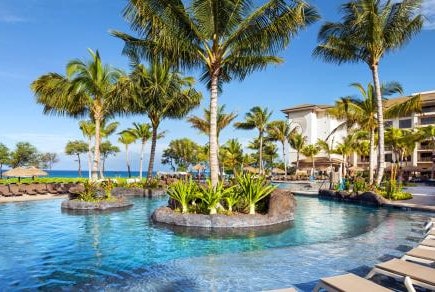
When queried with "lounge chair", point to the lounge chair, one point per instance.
{"points": [[41, 189], [428, 243], [348, 282], [421, 255], [28, 189], [412, 274], [52, 189], [15, 190], [4, 191]]}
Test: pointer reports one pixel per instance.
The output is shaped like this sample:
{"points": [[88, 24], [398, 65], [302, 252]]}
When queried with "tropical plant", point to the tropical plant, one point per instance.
{"points": [[256, 118], [88, 131], [106, 149], [46, 160], [428, 132], [253, 189], [203, 124], [76, 148], [362, 113], [280, 131], [183, 192], [4, 157], [328, 149], [297, 141], [232, 198], [126, 139], [211, 196], [160, 92], [310, 151], [227, 39], [232, 155], [25, 154], [368, 30], [346, 148], [181, 152], [87, 88], [143, 133]]}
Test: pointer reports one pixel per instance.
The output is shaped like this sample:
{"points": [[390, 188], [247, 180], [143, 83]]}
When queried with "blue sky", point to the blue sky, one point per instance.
{"points": [[41, 36]]}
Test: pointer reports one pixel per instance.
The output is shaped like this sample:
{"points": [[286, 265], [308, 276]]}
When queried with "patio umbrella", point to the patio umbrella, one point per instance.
{"points": [[23, 171], [251, 169], [276, 170], [199, 167]]}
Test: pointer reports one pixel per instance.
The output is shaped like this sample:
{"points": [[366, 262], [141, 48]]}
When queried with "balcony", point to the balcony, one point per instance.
{"points": [[425, 159], [424, 147]]}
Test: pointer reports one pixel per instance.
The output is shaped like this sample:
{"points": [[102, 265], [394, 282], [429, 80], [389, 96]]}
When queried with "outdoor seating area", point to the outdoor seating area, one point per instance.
{"points": [[414, 269], [33, 189]]}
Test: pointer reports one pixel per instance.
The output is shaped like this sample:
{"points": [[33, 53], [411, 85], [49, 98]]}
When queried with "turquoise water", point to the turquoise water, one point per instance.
{"points": [[43, 248]]}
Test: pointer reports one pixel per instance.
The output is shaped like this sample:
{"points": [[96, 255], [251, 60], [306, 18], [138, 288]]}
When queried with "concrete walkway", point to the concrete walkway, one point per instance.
{"points": [[423, 199]]}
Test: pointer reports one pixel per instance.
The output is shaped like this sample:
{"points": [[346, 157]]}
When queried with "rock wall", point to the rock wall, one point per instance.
{"points": [[281, 209], [367, 198]]}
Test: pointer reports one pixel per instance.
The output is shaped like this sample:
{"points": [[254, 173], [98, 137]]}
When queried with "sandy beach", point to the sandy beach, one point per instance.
{"points": [[26, 198]]}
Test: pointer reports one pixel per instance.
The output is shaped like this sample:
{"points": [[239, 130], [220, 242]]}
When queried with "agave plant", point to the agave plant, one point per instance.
{"points": [[253, 189], [183, 192], [232, 198], [211, 195]]}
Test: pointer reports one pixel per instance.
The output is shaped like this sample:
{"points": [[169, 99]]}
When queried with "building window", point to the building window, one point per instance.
{"points": [[389, 157], [364, 158], [428, 109], [427, 121], [388, 124], [426, 157], [405, 124]]}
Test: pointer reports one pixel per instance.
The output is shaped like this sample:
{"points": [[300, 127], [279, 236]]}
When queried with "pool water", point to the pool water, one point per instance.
{"points": [[45, 248]]}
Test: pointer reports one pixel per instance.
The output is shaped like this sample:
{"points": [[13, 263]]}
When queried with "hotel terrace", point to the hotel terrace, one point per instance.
{"points": [[314, 123]]}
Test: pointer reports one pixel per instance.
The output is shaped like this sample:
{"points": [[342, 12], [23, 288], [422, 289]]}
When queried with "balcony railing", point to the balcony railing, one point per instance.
{"points": [[425, 147], [425, 158]]}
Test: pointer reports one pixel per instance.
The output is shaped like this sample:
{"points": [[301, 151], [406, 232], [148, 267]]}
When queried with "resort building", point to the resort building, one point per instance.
{"points": [[314, 123]]}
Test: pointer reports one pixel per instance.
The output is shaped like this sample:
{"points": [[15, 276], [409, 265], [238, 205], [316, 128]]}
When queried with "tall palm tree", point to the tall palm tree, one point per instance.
{"points": [[86, 89], [363, 112], [280, 131], [227, 39], [297, 141], [75, 147], [88, 131], [368, 30], [143, 133], [310, 151], [161, 93], [345, 148], [428, 132], [256, 118], [127, 139]]}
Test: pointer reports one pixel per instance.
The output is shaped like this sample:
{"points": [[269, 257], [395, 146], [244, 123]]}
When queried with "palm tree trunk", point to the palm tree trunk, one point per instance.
{"points": [[142, 148], [214, 163], [90, 158], [80, 165], [297, 160], [371, 154], [312, 157], [285, 162], [261, 154], [380, 117], [432, 173], [96, 163], [153, 150], [128, 161]]}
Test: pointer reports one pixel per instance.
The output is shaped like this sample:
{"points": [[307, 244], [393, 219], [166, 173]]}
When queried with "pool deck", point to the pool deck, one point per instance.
{"points": [[423, 199]]}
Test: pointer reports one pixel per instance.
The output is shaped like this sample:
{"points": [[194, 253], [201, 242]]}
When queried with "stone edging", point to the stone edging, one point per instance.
{"points": [[281, 209], [367, 198], [77, 205]]}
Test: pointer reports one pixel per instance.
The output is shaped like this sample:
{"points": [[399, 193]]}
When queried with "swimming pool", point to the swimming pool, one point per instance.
{"points": [[43, 248]]}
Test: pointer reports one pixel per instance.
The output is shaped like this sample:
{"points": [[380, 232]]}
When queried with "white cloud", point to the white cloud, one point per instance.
{"points": [[10, 18]]}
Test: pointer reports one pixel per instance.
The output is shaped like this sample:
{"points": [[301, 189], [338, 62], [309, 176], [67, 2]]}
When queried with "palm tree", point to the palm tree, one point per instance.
{"points": [[310, 151], [161, 93], [428, 132], [232, 153], [256, 118], [368, 30], [346, 148], [86, 89], [280, 131], [328, 148], [203, 124], [106, 150], [76, 147], [227, 39], [297, 141], [88, 131], [143, 133], [126, 139], [363, 112]]}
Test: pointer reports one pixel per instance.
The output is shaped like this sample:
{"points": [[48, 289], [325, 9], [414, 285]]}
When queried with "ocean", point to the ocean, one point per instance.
{"points": [[107, 173]]}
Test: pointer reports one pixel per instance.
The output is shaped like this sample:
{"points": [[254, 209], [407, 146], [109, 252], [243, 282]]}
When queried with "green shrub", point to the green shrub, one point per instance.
{"points": [[211, 196], [232, 198], [253, 189], [90, 192], [183, 192], [359, 185], [401, 196]]}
